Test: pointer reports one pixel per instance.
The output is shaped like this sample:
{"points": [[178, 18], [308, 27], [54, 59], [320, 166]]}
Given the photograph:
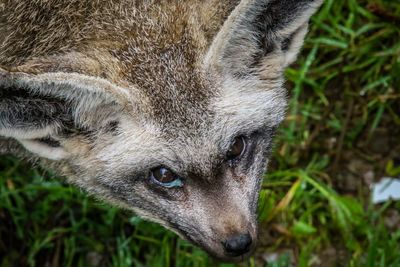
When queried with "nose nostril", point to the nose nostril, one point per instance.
{"points": [[238, 244]]}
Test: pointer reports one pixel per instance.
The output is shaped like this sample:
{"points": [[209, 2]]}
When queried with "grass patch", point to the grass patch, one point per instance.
{"points": [[341, 133]]}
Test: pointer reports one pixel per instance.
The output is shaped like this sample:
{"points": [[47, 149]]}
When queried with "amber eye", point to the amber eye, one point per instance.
{"points": [[165, 177], [237, 148]]}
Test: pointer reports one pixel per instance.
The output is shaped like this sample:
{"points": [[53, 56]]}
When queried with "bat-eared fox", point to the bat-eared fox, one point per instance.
{"points": [[167, 108]]}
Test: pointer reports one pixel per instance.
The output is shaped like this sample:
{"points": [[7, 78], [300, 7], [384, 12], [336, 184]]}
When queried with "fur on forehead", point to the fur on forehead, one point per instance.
{"points": [[162, 60]]}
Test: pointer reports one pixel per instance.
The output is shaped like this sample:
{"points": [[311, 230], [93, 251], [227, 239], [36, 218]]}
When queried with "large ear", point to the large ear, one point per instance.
{"points": [[36, 109], [260, 35]]}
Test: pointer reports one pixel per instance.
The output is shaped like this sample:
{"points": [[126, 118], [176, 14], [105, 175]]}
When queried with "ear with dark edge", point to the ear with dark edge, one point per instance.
{"points": [[35, 109], [261, 34]]}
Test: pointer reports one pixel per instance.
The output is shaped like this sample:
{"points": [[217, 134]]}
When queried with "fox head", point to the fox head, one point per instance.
{"points": [[165, 108]]}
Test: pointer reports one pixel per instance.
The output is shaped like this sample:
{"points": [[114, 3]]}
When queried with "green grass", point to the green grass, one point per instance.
{"points": [[314, 207]]}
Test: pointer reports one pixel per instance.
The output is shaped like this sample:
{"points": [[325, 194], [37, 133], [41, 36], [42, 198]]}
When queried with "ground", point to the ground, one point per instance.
{"points": [[341, 135]]}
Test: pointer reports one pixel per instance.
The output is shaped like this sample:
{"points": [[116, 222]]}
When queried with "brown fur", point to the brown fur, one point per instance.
{"points": [[125, 42], [54, 27]]}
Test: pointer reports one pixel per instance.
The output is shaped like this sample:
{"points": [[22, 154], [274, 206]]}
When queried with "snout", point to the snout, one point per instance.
{"points": [[224, 222], [229, 236]]}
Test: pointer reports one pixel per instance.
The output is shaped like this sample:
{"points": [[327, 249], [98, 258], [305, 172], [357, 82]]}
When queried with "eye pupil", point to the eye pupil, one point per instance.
{"points": [[237, 148]]}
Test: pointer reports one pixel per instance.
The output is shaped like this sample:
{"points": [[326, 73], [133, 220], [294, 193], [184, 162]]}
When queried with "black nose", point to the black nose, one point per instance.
{"points": [[237, 245]]}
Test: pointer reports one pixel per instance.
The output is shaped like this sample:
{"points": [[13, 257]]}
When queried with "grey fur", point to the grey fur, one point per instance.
{"points": [[102, 92]]}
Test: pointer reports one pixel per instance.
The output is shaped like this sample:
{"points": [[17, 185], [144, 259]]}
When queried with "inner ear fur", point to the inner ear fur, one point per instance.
{"points": [[30, 115], [37, 107], [259, 32]]}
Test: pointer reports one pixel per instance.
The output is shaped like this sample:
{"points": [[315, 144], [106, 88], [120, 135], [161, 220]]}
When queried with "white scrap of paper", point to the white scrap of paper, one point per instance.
{"points": [[387, 188]]}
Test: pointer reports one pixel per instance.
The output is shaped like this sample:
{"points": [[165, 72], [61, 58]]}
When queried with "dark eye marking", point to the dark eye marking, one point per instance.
{"points": [[50, 142], [165, 177], [237, 148]]}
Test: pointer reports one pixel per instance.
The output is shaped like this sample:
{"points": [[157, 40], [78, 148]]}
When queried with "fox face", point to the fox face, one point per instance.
{"points": [[165, 108]]}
